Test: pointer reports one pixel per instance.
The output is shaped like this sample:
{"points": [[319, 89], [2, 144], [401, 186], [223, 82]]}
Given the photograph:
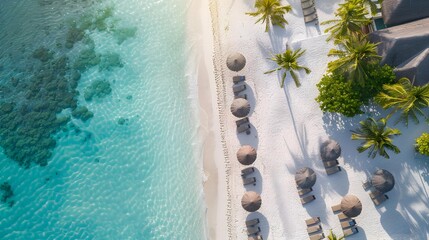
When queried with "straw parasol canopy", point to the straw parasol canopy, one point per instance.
{"points": [[236, 62], [246, 155], [240, 107], [305, 177], [351, 206], [383, 180], [330, 150], [251, 201]]}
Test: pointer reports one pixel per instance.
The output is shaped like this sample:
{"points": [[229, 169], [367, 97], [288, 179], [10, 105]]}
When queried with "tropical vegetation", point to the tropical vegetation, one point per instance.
{"points": [[404, 96], [422, 144], [371, 4], [376, 136], [351, 17], [354, 56], [288, 61], [270, 11], [337, 95], [332, 236]]}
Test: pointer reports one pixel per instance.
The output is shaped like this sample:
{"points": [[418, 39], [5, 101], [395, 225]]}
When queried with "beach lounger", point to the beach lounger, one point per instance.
{"points": [[350, 231], [247, 171], [367, 184], [239, 88], [332, 170], [380, 199], [241, 96], [317, 236], [247, 181], [253, 230], [244, 128], [375, 194], [329, 164], [312, 221], [252, 222], [343, 217], [314, 229], [348, 224], [336, 208], [307, 4], [307, 199], [256, 237], [237, 79], [242, 121], [310, 18], [308, 11], [304, 191]]}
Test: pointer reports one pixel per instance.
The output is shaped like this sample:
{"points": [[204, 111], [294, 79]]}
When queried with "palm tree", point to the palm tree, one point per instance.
{"points": [[354, 57], [351, 20], [406, 97], [376, 137], [372, 5], [289, 62], [270, 10], [332, 236]]}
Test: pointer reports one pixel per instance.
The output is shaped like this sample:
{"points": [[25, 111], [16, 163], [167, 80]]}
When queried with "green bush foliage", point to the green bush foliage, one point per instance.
{"points": [[338, 95], [422, 144]]}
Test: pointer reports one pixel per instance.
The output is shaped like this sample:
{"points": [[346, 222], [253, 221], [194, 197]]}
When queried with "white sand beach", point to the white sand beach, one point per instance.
{"points": [[287, 130]]}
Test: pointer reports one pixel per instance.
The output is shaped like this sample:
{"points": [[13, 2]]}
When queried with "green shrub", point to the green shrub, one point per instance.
{"points": [[337, 95], [422, 144]]}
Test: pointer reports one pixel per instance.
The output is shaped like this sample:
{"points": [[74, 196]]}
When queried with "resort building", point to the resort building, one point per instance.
{"points": [[405, 43]]}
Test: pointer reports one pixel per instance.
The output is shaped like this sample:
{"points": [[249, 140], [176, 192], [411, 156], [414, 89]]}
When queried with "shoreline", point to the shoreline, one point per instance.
{"points": [[209, 112]]}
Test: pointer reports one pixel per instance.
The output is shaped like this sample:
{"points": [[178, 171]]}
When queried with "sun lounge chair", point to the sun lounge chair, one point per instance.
{"points": [[238, 89], [252, 222], [350, 231], [304, 191], [256, 237], [242, 121], [348, 224], [247, 171], [380, 199], [253, 230], [375, 194], [336, 208], [332, 170], [241, 96], [307, 199], [310, 18], [309, 11], [367, 184], [343, 217], [312, 221], [307, 4], [237, 79], [329, 164], [314, 229], [244, 128], [317, 236], [247, 181]]}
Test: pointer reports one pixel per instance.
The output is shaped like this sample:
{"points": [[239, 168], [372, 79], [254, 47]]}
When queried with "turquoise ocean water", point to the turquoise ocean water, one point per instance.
{"points": [[125, 167]]}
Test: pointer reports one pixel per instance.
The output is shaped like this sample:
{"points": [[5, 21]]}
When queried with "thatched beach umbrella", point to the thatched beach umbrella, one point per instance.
{"points": [[305, 177], [383, 180], [351, 206], [251, 201], [246, 155], [330, 150], [236, 61], [240, 107]]}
